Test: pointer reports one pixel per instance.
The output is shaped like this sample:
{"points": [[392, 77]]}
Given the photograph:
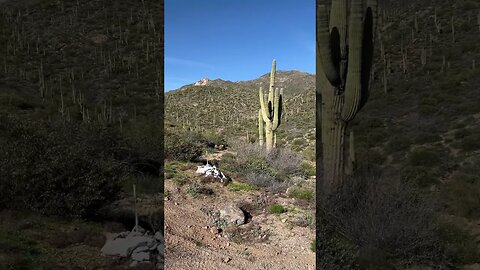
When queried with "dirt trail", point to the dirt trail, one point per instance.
{"points": [[190, 243]]}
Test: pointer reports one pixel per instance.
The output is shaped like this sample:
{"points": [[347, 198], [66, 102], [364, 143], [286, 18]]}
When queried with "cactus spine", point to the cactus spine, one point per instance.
{"points": [[343, 73], [270, 111]]}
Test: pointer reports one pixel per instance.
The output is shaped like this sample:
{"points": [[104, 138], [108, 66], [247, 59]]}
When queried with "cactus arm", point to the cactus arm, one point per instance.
{"points": [[373, 6], [353, 86], [271, 90], [369, 29], [263, 107], [277, 112], [338, 26], [324, 47]]}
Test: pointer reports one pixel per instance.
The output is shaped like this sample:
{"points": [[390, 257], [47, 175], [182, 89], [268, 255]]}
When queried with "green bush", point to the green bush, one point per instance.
{"points": [[276, 209], [182, 146], [212, 137], [56, 168], [423, 156], [301, 193]]}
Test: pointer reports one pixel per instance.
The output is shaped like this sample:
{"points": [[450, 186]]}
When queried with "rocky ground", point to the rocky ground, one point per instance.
{"points": [[198, 234]]}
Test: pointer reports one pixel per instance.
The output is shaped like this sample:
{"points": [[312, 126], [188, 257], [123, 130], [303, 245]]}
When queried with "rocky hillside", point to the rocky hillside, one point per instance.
{"points": [[233, 107], [81, 61], [80, 122]]}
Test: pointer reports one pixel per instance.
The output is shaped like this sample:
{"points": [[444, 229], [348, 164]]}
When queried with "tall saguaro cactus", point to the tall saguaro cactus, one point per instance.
{"points": [[345, 44], [270, 111]]}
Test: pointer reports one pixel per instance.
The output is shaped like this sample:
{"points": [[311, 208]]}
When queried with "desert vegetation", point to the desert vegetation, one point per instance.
{"points": [[270, 180], [397, 210], [81, 94]]}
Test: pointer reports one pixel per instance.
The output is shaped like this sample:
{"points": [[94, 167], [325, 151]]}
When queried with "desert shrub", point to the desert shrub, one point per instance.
{"points": [[462, 195], [469, 142], [57, 169], [420, 175], [298, 142], [195, 189], [301, 193], [266, 181], [462, 133], [386, 218], [308, 169], [334, 251], [423, 156], [313, 245], [182, 146], [426, 137], [309, 153], [398, 143], [146, 136], [254, 163], [276, 209], [237, 186], [460, 246], [214, 138]]}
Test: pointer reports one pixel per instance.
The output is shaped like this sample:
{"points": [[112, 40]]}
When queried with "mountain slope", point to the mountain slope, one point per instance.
{"points": [[233, 107]]}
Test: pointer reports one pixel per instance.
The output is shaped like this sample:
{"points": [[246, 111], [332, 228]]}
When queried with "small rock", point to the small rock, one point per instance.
{"points": [[153, 247], [141, 256], [227, 259], [284, 220], [158, 236], [121, 235]]}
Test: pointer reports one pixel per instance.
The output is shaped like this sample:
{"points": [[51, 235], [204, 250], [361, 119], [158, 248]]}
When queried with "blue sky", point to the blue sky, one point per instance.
{"points": [[236, 40]]}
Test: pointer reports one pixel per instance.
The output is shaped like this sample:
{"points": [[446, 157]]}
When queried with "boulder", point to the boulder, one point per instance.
{"points": [[123, 247], [232, 214]]}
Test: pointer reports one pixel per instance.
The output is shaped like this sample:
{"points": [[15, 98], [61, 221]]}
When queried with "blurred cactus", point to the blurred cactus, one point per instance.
{"points": [[344, 60]]}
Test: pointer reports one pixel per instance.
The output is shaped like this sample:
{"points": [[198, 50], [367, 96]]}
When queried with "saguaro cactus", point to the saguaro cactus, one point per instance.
{"points": [[261, 129], [345, 45], [271, 111]]}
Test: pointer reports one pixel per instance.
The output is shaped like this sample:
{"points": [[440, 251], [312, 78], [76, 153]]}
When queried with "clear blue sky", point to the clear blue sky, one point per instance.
{"points": [[236, 39]]}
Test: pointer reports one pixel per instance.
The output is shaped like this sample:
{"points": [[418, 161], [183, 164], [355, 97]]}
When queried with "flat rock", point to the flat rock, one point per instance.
{"points": [[123, 247]]}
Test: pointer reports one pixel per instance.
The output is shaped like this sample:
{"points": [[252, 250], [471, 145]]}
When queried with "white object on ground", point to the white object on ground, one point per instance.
{"points": [[209, 170]]}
